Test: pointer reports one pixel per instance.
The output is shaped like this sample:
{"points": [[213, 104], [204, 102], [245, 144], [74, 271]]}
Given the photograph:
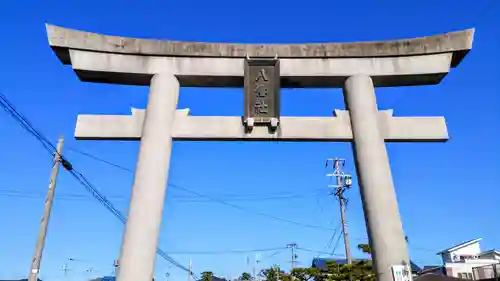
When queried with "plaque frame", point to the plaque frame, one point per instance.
{"points": [[273, 90]]}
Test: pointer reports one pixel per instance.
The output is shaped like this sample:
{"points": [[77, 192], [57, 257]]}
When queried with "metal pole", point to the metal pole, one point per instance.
{"points": [[40, 242], [340, 194]]}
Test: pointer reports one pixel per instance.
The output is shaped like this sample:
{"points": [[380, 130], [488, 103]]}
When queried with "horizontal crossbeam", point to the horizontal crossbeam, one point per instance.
{"points": [[230, 128]]}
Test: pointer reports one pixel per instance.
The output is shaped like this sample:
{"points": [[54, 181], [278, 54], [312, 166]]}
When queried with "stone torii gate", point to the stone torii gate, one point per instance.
{"points": [[165, 66]]}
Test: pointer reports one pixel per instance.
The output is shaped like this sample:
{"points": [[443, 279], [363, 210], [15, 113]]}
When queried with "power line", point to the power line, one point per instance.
{"points": [[223, 202], [271, 255], [26, 124], [100, 159], [335, 232], [182, 199], [251, 211], [225, 252], [318, 252], [337, 242]]}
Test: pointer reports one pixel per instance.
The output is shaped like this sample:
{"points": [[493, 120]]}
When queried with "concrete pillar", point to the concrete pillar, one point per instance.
{"points": [[140, 240], [383, 222]]}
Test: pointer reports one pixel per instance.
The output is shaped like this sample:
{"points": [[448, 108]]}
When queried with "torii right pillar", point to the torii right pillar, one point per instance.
{"points": [[383, 222]]}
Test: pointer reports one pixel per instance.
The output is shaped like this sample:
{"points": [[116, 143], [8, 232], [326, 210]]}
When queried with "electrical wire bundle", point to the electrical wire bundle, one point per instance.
{"points": [[27, 125]]}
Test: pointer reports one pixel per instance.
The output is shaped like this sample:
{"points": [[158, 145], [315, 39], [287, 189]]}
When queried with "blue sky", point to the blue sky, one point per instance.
{"points": [[447, 192]]}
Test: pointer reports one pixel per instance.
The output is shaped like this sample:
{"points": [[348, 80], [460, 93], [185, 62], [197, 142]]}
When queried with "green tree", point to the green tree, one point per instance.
{"points": [[358, 271], [365, 248], [245, 276], [305, 274], [207, 276], [273, 274]]}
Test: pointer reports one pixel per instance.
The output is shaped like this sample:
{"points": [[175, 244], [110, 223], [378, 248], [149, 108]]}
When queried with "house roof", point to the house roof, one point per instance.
{"points": [[435, 277], [489, 252], [321, 263], [459, 246], [430, 269]]}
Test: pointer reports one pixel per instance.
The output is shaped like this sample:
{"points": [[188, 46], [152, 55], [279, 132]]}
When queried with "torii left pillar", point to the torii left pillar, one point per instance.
{"points": [[140, 240]]}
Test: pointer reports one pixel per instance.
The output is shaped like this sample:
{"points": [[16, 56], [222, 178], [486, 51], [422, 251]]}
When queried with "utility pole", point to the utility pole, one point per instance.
{"points": [[256, 263], [65, 269], [254, 267], [293, 247], [115, 267], [40, 242], [343, 182], [190, 273]]}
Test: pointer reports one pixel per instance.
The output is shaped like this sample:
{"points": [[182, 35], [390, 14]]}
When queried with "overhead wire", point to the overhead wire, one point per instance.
{"points": [[181, 199], [27, 125], [226, 252], [272, 255], [318, 252], [336, 231], [223, 202], [337, 242], [341, 231], [252, 211]]}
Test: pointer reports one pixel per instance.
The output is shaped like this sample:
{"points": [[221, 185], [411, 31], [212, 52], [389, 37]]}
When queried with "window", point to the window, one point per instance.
{"points": [[465, 275]]}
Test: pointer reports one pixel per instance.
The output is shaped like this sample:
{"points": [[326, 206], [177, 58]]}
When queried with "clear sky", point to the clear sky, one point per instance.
{"points": [[447, 193]]}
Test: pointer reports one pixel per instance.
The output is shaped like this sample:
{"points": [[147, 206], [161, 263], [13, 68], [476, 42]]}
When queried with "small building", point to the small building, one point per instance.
{"points": [[467, 261]]}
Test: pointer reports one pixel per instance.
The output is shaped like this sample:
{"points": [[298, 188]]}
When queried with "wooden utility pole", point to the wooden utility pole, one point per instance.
{"points": [[343, 182], [40, 242]]}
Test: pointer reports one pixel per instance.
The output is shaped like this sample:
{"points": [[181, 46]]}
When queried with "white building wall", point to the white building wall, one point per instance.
{"points": [[473, 249], [454, 268]]}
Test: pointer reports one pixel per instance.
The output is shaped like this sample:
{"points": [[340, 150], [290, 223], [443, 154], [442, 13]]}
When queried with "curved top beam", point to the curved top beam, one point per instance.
{"points": [[62, 39]]}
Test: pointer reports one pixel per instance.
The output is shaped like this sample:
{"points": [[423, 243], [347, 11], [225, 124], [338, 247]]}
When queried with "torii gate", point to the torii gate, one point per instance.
{"points": [[165, 66]]}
